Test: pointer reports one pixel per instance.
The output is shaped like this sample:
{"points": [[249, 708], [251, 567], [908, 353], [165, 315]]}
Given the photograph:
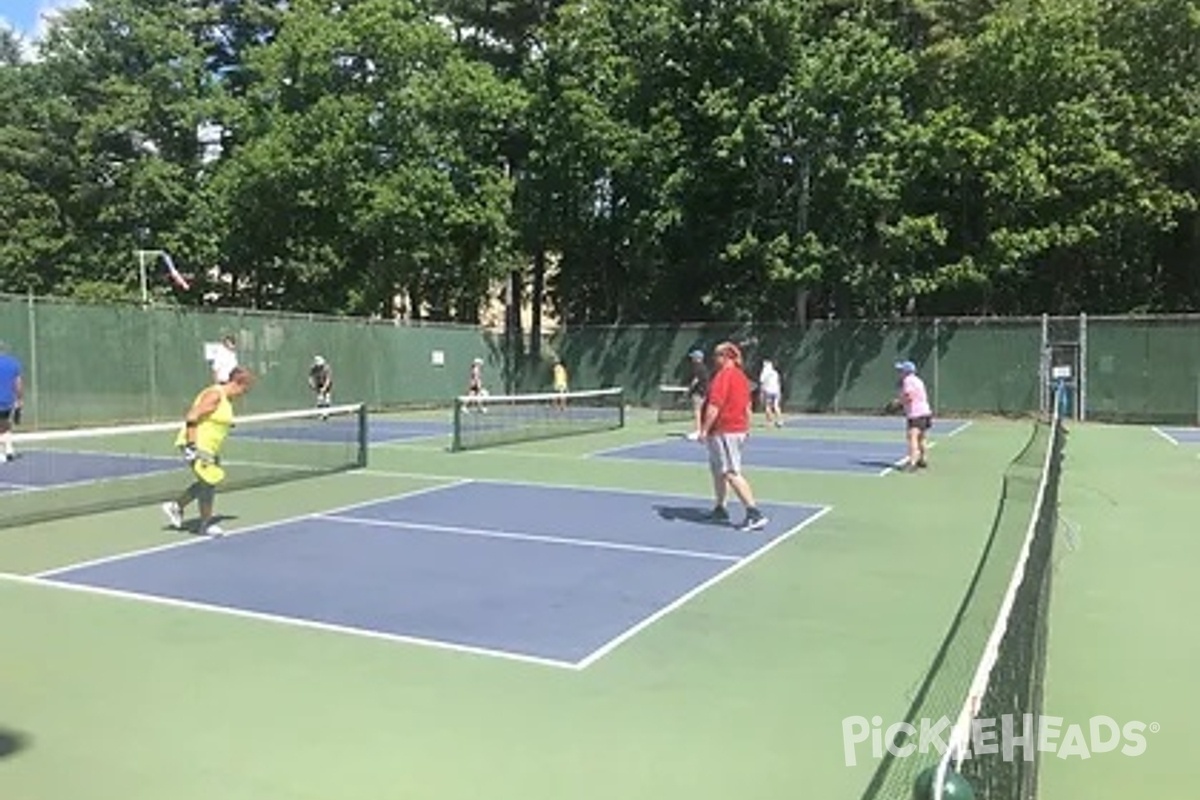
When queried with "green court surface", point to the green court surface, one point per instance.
{"points": [[741, 692], [1123, 640]]}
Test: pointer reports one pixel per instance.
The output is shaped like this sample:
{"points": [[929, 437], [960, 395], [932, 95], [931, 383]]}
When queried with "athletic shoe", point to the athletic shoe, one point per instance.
{"points": [[755, 521], [174, 514], [215, 531]]}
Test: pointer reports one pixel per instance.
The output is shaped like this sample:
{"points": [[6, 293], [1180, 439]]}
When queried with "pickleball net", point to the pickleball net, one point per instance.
{"points": [[674, 404], [67, 473], [986, 681], [490, 420]]}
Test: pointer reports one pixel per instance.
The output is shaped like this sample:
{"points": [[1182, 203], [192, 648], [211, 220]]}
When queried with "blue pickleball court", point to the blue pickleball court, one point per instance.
{"points": [[559, 576]]}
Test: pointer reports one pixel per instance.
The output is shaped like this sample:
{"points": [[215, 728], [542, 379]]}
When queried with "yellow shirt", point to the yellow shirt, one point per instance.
{"points": [[560, 376], [213, 428]]}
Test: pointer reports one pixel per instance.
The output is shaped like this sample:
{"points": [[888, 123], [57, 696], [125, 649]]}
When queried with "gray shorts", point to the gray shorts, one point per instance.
{"points": [[725, 453]]}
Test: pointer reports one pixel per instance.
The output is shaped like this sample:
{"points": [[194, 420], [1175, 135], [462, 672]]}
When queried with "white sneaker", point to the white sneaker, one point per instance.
{"points": [[174, 514], [693, 436], [215, 531]]}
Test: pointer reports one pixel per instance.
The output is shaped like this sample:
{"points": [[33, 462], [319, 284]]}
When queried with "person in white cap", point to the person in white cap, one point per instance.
{"points": [[475, 388], [320, 380], [918, 414], [225, 359], [770, 389]]}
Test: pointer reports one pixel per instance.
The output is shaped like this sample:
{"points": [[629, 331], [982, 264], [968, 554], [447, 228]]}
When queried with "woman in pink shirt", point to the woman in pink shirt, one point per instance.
{"points": [[919, 416]]}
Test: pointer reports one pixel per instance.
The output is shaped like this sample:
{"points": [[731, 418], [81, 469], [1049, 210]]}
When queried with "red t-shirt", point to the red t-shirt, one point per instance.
{"points": [[729, 391]]}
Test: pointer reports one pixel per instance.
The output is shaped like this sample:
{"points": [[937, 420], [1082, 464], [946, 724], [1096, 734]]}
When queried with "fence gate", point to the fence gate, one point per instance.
{"points": [[1064, 364]]}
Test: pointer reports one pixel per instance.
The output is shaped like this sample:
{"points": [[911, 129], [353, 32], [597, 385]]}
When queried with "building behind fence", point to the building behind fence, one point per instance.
{"points": [[90, 364]]}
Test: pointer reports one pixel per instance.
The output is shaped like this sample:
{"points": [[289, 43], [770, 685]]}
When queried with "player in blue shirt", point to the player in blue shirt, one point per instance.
{"points": [[12, 393]]}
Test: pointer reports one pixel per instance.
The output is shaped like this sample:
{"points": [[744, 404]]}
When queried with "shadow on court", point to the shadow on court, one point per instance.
{"points": [[192, 525], [866, 462], [12, 743], [698, 516]]}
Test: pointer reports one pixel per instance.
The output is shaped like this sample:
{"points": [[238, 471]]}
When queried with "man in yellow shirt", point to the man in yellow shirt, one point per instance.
{"points": [[205, 429], [560, 383]]}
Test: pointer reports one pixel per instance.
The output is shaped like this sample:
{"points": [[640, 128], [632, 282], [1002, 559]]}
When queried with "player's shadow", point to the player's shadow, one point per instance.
{"points": [[880, 463], [192, 526], [12, 742], [692, 514]]}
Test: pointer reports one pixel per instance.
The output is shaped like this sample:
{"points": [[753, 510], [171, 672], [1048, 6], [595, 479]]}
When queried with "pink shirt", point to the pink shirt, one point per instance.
{"points": [[916, 401]]}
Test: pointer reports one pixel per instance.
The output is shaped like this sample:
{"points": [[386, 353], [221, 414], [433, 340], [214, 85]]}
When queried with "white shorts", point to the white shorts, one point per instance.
{"points": [[725, 453]]}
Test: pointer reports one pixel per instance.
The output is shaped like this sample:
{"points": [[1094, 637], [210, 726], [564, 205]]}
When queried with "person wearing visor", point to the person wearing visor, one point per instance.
{"points": [[914, 400], [200, 440]]}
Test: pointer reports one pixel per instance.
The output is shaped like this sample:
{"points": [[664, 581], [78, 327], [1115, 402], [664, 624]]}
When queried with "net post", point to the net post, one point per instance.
{"points": [[621, 408], [364, 437], [456, 427]]}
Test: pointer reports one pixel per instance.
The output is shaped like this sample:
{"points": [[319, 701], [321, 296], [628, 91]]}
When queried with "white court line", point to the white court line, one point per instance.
{"points": [[772, 444], [295, 622], [901, 461], [857, 473], [196, 539], [1165, 435], [675, 604], [573, 487], [489, 533], [960, 429]]}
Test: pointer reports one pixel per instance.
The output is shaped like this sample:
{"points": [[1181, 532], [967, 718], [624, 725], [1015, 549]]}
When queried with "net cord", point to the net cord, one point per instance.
{"points": [[960, 735], [538, 397], [161, 427]]}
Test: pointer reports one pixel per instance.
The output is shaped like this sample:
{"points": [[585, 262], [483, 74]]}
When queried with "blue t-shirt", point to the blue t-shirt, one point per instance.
{"points": [[10, 370]]}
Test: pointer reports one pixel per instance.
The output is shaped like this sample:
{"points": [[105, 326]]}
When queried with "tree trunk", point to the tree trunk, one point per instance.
{"points": [[538, 295]]}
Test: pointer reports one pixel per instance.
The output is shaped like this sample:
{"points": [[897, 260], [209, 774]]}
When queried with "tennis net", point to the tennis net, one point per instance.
{"points": [[675, 404], [59, 474], [994, 653], [489, 420]]}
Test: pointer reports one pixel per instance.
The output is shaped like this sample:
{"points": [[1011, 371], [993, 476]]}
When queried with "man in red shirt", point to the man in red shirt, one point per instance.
{"points": [[725, 426]]}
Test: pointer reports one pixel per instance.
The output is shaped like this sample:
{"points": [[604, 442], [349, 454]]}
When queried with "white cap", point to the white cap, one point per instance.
{"points": [[478, 361], [318, 360]]}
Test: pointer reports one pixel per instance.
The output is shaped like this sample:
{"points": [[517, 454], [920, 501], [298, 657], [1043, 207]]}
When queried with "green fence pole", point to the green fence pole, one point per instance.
{"points": [[1083, 367], [34, 390], [936, 364]]}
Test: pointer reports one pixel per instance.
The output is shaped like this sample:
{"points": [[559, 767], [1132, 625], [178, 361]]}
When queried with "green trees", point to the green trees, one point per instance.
{"points": [[628, 161]]}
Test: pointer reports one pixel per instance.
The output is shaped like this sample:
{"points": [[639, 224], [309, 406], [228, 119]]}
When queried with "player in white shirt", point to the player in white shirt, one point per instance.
{"points": [[769, 387], [224, 360]]}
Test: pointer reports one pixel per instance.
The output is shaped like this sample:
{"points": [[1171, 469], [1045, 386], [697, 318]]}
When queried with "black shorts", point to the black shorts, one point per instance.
{"points": [[920, 423], [12, 415]]}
